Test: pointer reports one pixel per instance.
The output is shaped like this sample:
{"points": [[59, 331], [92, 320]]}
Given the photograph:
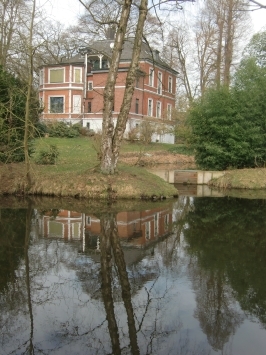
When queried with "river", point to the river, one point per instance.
{"points": [[173, 277]]}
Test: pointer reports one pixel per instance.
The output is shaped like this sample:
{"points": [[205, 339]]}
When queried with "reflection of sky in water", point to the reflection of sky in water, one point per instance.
{"points": [[69, 316]]}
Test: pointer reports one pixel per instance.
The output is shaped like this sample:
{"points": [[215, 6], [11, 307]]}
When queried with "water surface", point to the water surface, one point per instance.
{"points": [[182, 277]]}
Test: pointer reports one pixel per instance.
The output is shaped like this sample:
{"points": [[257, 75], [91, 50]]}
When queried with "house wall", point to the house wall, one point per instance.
{"points": [[92, 100]]}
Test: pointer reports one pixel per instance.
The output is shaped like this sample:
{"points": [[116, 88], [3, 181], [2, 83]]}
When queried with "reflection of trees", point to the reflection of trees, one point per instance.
{"points": [[30, 348], [12, 227], [110, 239], [227, 240], [72, 303]]}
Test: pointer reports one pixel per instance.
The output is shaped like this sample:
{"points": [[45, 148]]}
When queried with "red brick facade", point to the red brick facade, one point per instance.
{"points": [[70, 95]]}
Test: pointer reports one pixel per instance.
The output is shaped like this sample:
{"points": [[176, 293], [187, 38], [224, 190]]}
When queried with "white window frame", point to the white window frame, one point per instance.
{"points": [[160, 83], [151, 76], [76, 109], [156, 224], [90, 85], [148, 230], [169, 111], [170, 84], [41, 78], [158, 109], [80, 75], [150, 108], [166, 222], [137, 106], [57, 82], [49, 103]]}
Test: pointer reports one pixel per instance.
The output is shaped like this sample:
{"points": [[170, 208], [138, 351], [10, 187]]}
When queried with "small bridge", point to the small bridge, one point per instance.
{"points": [[191, 182], [188, 177]]}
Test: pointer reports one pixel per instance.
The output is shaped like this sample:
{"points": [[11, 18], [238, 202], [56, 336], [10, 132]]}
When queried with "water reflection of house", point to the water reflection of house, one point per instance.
{"points": [[135, 228], [61, 224]]}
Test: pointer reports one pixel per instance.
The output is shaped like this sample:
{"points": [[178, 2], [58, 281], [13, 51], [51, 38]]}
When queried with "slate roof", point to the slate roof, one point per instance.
{"points": [[146, 53], [103, 47]]}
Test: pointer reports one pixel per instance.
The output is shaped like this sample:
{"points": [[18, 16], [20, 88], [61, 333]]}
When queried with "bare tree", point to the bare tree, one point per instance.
{"points": [[256, 5], [112, 134]]}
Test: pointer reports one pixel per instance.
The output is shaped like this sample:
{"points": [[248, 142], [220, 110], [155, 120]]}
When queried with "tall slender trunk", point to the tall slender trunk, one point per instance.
{"points": [[106, 275], [112, 136], [125, 286], [28, 100], [27, 266], [107, 158], [228, 50]]}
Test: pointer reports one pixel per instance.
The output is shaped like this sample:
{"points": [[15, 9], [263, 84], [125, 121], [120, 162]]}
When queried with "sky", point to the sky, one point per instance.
{"points": [[66, 11]]}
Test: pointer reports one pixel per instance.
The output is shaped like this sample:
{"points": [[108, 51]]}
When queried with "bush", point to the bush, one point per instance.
{"points": [[133, 135], [48, 157], [146, 130], [224, 135], [40, 129], [61, 129]]}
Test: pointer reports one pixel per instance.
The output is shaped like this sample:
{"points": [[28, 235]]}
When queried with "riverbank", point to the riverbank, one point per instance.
{"points": [[76, 173], [241, 179], [129, 182]]}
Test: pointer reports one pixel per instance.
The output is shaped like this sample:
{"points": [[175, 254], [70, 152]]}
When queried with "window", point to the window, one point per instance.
{"points": [[137, 106], [160, 83], [156, 224], [88, 217], [169, 111], [76, 103], [75, 230], [149, 107], [89, 107], [56, 75], [77, 75], [166, 222], [88, 126], [158, 109], [151, 77], [56, 104], [137, 82], [170, 84], [41, 77], [90, 85], [148, 230]]}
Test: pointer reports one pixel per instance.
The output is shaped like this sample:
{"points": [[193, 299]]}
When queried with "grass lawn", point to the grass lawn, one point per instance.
{"points": [[76, 173]]}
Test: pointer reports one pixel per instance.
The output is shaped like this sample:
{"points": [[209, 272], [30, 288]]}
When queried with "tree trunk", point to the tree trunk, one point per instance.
{"points": [[112, 136], [107, 157], [28, 101], [228, 50]]}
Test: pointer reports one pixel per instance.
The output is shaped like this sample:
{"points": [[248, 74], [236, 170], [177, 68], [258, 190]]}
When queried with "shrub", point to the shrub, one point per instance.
{"points": [[133, 135], [146, 131], [61, 129], [224, 135], [48, 157]]}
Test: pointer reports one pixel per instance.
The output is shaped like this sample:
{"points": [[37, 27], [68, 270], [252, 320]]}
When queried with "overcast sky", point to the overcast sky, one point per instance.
{"points": [[66, 11]]}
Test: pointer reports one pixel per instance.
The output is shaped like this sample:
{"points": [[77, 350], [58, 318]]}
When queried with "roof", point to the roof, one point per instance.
{"points": [[105, 47], [147, 53]]}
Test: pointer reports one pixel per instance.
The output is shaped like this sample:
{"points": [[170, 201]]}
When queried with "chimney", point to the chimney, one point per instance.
{"points": [[110, 33], [156, 55]]}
